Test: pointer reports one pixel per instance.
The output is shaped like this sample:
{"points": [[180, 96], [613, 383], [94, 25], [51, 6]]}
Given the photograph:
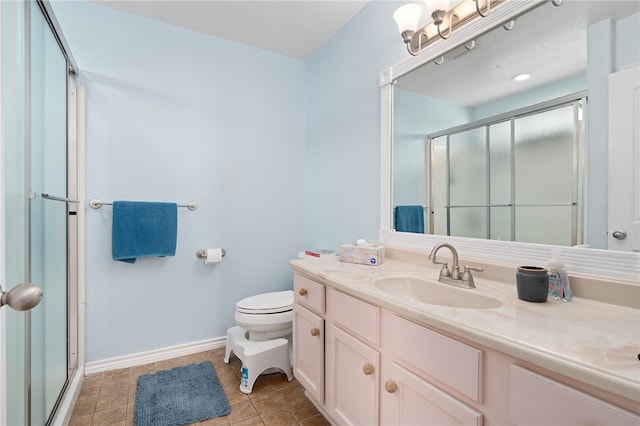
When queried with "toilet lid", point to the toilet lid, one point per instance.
{"points": [[267, 303]]}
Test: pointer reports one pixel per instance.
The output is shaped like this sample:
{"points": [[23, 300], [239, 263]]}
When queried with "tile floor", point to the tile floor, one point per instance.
{"points": [[109, 398]]}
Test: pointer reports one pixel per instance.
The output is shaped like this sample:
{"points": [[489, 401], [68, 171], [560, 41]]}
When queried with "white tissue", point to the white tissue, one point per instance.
{"points": [[363, 243], [214, 255]]}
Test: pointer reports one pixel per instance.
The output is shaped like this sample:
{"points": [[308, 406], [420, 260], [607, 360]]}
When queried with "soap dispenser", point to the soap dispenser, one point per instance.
{"points": [[559, 287]]}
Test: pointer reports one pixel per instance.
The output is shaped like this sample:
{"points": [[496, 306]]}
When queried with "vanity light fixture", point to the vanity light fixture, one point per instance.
{"points": [[443, 17]]}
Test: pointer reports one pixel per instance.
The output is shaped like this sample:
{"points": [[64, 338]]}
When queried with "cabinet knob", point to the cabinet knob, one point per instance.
{"points": [[302, 291], [367, 369], [390, 386], [315, 331]]}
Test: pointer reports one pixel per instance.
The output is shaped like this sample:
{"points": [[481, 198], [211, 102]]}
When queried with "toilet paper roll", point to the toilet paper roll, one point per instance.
{"points": [[214, 255]]}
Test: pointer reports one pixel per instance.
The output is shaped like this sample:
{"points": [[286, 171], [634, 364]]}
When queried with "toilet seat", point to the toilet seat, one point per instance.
{"points": [[266, 316], [266, 303]]}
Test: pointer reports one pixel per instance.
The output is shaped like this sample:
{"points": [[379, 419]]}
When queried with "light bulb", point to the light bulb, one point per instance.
{"points": [[407, 17], [433, 5], [521, 77]]}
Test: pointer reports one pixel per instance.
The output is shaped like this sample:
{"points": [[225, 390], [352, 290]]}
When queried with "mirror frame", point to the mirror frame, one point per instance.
{"points": [[607, 263]]}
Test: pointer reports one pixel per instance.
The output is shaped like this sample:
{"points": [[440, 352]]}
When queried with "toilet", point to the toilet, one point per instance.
{"points": [[266, 316], [262, 337]]}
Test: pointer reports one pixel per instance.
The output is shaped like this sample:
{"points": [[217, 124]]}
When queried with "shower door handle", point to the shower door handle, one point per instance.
{"points": [[55, 198], [22, 297]]}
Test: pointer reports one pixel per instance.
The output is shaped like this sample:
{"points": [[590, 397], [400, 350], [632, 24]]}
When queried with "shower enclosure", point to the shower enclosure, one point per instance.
{"points": [[40, 211], [514, 177]]}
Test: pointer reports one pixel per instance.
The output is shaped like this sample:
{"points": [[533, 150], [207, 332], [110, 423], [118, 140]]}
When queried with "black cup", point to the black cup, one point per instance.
{"points": [[532, 283]]}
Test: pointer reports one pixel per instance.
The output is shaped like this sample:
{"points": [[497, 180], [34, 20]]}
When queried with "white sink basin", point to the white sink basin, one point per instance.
{"points": [[435, 293]]}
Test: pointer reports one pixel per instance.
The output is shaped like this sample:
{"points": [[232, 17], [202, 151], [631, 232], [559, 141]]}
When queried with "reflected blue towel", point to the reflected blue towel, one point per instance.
{"points": [[409, 219], [143, 229]]}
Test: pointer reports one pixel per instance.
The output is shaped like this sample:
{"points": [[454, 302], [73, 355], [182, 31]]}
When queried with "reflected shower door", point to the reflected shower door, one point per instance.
{"points": [[513, 177], [468, 184], [48, 219], [500, 182], [545, 176]]}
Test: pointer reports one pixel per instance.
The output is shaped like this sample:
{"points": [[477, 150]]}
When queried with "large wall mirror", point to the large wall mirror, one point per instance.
{"points": [[475, 154]]}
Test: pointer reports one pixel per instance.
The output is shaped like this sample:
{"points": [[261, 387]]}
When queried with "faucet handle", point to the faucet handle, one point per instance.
{"points": [[444, 272], [466, 275], [468, 268]]}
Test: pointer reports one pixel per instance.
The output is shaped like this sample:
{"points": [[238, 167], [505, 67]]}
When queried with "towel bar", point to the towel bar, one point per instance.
{"points": [[96, 203]]}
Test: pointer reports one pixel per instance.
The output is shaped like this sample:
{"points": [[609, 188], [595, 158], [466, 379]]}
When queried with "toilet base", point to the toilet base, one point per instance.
{"points": [[257, 357]]}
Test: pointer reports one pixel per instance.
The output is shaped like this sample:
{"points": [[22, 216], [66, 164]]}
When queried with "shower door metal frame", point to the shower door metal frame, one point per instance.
{"points": [[578, 164], [72, 209]]}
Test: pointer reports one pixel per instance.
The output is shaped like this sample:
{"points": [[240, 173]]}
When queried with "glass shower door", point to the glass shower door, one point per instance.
{"points": [[34, 146], [48, 218], [15, 202]]}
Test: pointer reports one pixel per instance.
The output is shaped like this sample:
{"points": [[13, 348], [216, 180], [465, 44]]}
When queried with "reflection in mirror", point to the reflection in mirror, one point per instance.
{"points": [[478, 154], [515, 177]]}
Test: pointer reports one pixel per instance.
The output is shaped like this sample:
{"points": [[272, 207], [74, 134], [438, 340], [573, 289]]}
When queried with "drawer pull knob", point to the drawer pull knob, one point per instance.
{"points": [[390, 386], [367, 369], [302, 291], [315, 331]]}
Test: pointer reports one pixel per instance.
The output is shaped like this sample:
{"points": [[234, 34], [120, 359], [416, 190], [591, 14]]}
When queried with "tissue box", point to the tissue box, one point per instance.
{"points": [[370, 255]]}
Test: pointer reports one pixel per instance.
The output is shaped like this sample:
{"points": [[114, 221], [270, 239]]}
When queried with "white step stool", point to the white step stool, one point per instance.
{"points": [[257, 357]]}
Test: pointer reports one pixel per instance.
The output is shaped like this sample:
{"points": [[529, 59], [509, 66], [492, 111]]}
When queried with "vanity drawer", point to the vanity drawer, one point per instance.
{"points": [[360, 318], [537, 400], [308, 293], [449, 361]]}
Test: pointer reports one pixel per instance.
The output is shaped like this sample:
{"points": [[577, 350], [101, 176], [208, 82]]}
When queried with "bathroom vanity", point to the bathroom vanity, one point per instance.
{"points": [[370, 348]]}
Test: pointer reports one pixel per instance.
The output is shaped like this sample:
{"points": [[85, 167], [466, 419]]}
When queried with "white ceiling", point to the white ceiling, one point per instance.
{"points": [[294, 28], [549, 42]]}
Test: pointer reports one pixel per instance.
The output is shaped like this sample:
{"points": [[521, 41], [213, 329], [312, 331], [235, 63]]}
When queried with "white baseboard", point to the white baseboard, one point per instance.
{"points": [[153, 355]]}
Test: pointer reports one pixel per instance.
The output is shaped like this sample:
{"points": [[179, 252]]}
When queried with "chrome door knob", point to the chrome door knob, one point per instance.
{"points": [[619, 234]]}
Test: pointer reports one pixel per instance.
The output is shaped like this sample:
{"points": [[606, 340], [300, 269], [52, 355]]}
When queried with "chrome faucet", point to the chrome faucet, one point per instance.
{"points": [[453, 276]]}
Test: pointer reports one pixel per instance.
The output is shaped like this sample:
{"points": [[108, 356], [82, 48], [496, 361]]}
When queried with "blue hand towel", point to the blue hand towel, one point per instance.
{"points": [[143, 229], [409, 219]]}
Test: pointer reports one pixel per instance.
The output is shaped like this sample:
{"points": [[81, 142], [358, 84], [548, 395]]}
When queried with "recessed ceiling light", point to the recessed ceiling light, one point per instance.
{"points": [[521, 77]]}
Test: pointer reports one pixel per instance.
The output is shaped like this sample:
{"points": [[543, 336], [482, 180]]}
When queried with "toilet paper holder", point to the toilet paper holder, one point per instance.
{"points": [[202, 254]]}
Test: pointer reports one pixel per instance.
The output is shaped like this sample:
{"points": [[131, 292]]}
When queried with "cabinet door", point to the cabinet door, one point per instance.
{"points": [[308, 351], [539, 400], [407, 399], [352, 379]]}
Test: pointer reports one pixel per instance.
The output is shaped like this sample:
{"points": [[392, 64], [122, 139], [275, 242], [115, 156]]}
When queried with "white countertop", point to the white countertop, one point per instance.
{"points": [[592, 342]]}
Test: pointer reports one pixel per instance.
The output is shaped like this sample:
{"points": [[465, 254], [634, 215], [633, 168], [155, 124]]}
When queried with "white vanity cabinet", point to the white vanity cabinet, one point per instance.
{"points": [[417, 360], [353, 360], [364, 364], [308, 335]]}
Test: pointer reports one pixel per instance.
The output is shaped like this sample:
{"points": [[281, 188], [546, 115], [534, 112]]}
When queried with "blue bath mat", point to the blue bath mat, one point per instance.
{"points": [[180, 396]]}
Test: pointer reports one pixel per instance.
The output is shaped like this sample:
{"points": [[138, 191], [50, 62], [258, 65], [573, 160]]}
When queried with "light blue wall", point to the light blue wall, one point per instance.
{"points": [[343, 127], [414, 117], [174, 115], [627, 51]]}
